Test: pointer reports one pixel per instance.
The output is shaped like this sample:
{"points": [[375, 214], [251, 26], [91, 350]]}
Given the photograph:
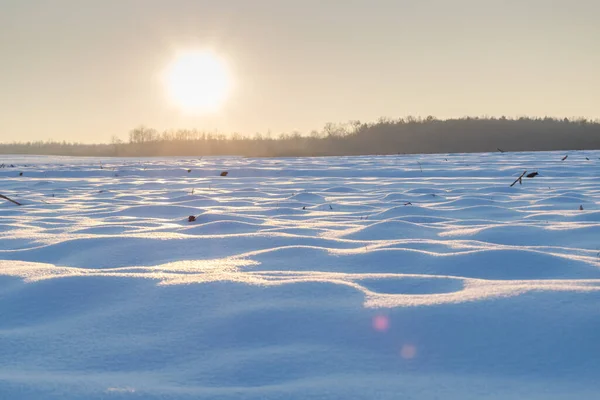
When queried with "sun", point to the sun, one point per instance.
{"points": [[198, 81]]}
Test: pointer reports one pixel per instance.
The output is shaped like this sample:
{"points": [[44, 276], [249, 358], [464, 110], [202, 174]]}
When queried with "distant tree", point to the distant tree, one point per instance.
{"points": [[116, 143], [142, 134], [115, 140], [314, 134]]}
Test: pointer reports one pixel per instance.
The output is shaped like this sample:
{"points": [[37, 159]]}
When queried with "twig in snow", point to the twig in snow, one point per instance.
{"points": [[11, 200], [519, 179]]}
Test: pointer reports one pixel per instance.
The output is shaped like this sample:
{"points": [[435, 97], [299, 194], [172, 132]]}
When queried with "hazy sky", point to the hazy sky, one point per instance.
{"points": [[86, 70]]}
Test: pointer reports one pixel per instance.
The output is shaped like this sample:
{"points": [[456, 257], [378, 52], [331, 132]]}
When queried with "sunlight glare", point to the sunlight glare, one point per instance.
{"points": [[198, 81]]}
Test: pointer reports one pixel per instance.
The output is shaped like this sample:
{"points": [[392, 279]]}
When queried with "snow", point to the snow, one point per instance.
{"points": [[397, 277]]}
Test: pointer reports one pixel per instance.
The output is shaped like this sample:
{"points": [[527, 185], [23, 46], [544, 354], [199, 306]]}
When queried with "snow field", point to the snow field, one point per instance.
{"points": [[409, 276]]}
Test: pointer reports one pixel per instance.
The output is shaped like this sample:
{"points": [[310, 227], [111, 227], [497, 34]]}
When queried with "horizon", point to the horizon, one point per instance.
{"points": [[123, 138], [79, 73], [410, 135]]}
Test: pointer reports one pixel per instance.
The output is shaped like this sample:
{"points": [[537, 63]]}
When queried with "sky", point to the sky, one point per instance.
{"points": [[79, 70]]}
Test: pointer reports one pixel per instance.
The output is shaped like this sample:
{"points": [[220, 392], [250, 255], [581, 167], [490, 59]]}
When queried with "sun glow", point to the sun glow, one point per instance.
{"points": [[198, 81]]}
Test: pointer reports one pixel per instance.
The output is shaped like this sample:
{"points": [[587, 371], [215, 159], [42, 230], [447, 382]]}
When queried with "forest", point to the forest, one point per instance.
{"points": [[407, 135]]}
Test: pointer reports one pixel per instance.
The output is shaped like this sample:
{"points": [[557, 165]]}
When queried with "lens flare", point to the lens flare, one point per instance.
{"points": [[408, 352], [381, 323]]}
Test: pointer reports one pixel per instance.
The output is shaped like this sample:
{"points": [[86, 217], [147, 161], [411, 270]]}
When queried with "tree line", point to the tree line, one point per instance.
{"points": [[385, 136]]}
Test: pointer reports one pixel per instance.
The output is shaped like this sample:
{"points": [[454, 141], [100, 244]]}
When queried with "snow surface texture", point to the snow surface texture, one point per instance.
{"points": [[398, 277]]}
